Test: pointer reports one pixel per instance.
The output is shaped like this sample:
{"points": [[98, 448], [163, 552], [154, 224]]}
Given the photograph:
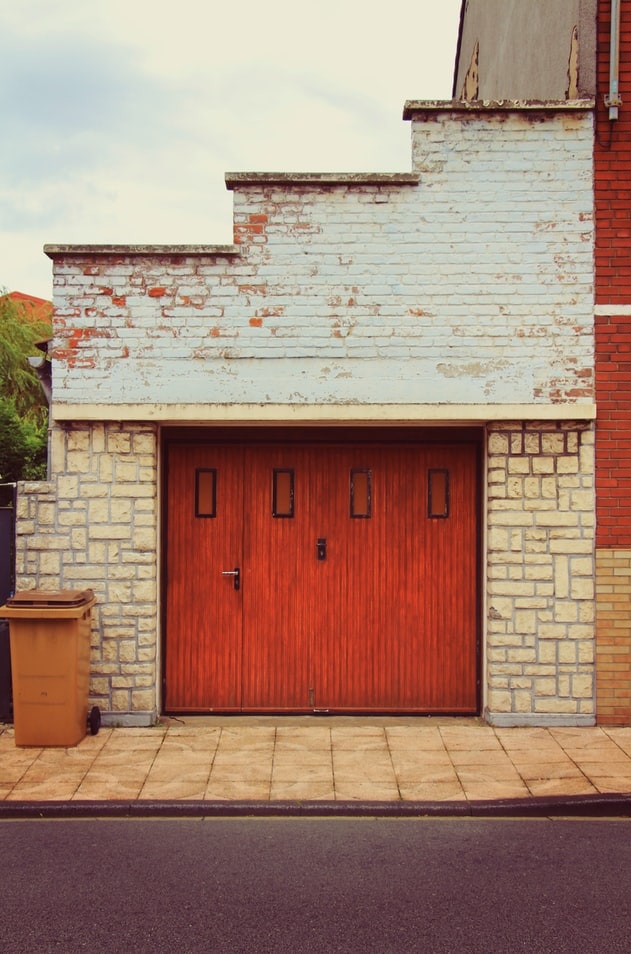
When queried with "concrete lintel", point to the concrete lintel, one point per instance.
{"points": [[322, 414], [414, 107], [236, 180], [58, 251]]}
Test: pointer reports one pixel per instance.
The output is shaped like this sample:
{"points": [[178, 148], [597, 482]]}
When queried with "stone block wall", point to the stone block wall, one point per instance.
{"points": [[540, 589], [95, 524]]}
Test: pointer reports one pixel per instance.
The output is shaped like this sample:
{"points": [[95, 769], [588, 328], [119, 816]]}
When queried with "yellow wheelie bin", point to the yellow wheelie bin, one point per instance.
{"points": [[49, 632]]}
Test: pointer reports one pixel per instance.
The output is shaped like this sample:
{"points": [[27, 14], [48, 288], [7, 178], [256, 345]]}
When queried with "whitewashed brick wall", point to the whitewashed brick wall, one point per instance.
{"points": [[468, 281]]}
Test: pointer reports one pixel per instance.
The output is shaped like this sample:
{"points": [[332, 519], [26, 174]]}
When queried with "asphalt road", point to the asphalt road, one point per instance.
{"points": [[316, 885]]}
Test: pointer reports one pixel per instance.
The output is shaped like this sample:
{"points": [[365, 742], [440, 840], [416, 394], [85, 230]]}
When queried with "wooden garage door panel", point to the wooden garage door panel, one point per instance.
{"points": [[203, 610], [279, 561], [346, 643], [387, 622], [450, 587], [401, 610]]}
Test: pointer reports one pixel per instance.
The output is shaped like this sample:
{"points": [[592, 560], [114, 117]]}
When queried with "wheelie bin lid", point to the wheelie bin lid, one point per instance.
{"points": [[52, 599]]}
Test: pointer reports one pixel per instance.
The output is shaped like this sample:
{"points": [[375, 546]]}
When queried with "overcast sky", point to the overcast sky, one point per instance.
{"points": [[121, 117]]}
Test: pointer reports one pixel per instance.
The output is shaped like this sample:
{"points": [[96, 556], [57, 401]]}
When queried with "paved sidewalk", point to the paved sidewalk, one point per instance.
{"points": [[393, 760]]}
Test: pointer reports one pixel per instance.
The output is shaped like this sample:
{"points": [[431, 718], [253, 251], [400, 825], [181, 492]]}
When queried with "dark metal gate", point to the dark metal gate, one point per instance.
{"points": [[7, 586]]}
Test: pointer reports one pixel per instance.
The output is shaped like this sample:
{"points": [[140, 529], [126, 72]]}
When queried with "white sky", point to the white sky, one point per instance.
{"points": [[121, 117]]}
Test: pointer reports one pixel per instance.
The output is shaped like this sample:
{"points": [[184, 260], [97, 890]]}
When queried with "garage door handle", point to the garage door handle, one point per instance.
{"points": [[235, 574]]}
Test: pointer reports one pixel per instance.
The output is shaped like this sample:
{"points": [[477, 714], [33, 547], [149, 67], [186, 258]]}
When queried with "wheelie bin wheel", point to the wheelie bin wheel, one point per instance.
{"points": [[94, 720]]}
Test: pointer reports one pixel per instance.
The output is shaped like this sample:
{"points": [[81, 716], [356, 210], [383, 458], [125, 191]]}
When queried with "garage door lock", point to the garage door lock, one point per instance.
{"points": [[236, 576]]}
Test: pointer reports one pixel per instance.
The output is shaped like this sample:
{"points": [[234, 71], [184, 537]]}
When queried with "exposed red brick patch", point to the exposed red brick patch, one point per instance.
{"points": [[270, 312], [86, 334], [252, 289], [254, 225], [244, 232], [156, 292]]}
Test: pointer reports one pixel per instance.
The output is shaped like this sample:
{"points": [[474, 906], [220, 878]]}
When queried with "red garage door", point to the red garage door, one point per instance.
{"points": [[321, 577]]}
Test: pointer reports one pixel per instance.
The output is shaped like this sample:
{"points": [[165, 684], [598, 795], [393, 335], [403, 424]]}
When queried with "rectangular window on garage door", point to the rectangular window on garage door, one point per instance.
{"points": [[361, 493], [205, 492], [438, 493], [282, 492]]}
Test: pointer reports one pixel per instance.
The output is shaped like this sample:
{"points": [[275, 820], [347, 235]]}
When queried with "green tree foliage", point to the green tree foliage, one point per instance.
{"points": [[22, 446], [23, 407]]}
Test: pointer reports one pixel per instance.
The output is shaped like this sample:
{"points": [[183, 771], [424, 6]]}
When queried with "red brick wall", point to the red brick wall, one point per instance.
{"points": [[613, 286], [613, 434], [613, 381], [613, 167]]}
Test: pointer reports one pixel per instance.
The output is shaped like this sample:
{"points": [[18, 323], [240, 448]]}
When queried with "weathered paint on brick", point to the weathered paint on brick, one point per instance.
{"points": [[468, 283]]}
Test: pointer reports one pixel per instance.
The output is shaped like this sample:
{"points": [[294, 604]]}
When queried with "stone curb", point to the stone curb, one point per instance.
{"points": [[585, 806]]}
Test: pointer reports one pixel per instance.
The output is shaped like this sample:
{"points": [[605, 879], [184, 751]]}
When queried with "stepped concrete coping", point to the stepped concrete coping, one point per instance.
{"points": [[414, 107], [235, 180], [56, 251]]}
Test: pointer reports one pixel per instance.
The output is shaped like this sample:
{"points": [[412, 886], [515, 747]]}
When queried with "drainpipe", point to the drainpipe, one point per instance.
{"points": [[42, 369], [613, 100], [41, 366], [7, 575]]}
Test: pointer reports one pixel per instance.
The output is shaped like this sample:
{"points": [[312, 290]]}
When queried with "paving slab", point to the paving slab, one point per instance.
{"points": [[359, 764]]}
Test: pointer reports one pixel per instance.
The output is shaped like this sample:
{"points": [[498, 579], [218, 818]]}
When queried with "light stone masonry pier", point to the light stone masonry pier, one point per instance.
{"points": [[540, 627], [97, 526]]}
